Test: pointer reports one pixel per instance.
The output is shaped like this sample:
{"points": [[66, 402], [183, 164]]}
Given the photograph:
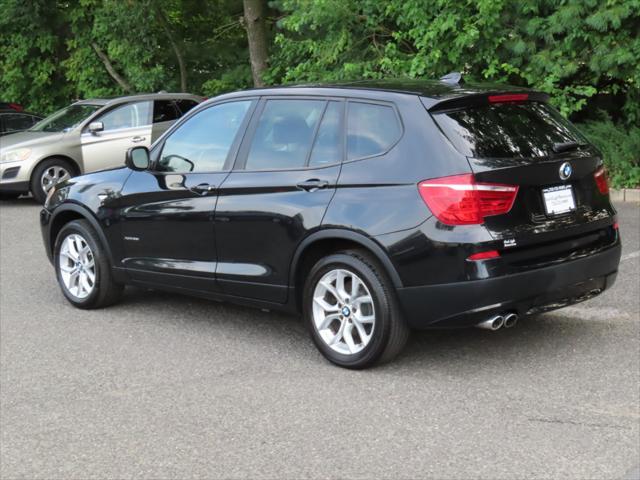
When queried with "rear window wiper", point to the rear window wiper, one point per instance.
{"points": [[566, 146]]}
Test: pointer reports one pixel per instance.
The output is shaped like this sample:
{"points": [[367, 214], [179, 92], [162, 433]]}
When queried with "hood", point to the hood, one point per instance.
{"points": [[28, 139]]}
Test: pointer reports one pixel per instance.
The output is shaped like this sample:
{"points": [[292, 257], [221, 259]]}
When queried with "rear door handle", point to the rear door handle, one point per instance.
{"points": [[138, 139], [313, 184], [203, 189]]}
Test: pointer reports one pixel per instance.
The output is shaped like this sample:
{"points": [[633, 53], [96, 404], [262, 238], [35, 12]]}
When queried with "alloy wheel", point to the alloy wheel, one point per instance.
{"points": [[343, 312], [77, 266], [52, 176]]}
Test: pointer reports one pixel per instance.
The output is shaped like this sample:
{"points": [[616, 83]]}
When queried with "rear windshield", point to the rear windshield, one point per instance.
{"points": [[507, 130]]}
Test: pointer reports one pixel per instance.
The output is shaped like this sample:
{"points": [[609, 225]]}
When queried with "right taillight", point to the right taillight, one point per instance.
{"points": [[602, 182], [460, 200]]}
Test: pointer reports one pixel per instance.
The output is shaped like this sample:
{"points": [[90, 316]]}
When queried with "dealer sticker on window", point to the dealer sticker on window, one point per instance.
{"points": [[558, 199]]}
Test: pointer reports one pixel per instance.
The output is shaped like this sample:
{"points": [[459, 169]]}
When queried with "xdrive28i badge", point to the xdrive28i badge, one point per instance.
{"points": [[565, 171]]}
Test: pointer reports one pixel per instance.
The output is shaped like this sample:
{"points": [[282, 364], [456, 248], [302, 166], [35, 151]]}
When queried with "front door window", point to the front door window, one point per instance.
{"points": [[203, 142]]}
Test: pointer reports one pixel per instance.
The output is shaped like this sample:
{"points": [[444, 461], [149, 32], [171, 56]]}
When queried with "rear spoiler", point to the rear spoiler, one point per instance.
{"points": [[481, 99]]}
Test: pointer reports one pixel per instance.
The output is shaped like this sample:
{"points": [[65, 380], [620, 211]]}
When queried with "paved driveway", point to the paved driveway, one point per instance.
{"points": [[164, 386]]}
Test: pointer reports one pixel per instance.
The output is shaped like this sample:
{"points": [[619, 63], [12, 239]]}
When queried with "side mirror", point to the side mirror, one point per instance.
{"points": [[95, 127], [137, 159]]}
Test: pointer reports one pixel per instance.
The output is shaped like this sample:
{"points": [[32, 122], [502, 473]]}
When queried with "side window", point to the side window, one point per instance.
{"points": [[130, 115], [164, 111], [185, 105], [284, 134], [16, 122], [371, 129], [327, 148], [202, 143]]}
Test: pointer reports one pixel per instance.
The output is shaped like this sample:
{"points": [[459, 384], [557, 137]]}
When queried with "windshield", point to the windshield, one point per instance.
{"points": [[65, 119]]}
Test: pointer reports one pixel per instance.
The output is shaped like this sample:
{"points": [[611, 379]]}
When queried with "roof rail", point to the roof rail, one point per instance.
{"points": [[453, 78]]}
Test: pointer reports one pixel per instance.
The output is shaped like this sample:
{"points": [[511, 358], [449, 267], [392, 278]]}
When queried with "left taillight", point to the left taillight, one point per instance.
{"points": [[460, 200], [602, 181]]}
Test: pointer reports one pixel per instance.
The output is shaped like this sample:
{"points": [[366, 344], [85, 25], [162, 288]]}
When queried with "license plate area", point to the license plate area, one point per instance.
{"points": [[558, 200]]}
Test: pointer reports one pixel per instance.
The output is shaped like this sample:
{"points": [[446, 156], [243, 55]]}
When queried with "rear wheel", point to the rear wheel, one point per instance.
{"points": [[82, 267], [351, 310], [47, 174]]}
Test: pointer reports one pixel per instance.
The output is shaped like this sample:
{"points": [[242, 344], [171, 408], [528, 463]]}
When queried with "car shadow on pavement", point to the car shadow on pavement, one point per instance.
{"points": [[538, 338]]}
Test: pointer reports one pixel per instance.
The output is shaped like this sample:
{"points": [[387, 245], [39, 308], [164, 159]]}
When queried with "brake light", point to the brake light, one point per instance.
{"points": [[510, 97], [616, 225], [460, 200], [16, 106], [601, 180], [484, 255]]}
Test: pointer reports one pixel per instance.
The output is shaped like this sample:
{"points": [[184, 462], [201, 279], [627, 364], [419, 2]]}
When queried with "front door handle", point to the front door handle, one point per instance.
{"points": [[203, 189], [313, 184], [138, 139]]}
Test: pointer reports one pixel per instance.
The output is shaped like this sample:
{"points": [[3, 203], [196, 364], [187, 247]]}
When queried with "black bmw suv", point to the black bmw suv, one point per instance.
{"points": [[369, 208]]}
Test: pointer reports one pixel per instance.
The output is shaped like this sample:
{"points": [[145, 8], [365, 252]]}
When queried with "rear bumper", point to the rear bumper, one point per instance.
{"points": [[467, 303]]}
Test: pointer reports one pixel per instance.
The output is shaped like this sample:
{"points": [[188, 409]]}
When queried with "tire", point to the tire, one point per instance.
{"points": [[380, 342], [104, 290], [53, 169]]}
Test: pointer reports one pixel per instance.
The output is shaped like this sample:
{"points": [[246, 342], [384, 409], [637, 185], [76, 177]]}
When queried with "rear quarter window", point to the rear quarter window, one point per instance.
{"points": [[372, 129], [507, 130]]}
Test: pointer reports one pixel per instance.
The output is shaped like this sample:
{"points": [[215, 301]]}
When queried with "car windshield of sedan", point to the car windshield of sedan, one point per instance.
{"points": [[65, 119]]}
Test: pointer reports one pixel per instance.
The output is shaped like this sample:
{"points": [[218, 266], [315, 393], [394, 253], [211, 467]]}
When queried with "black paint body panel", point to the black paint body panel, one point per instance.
{"points": [[244, 240]]}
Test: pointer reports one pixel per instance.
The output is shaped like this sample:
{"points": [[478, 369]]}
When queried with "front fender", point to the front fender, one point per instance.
{"points": [[52, 222]]}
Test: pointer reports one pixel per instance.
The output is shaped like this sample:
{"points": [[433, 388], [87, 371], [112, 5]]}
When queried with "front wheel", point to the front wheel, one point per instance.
{"points": [[47, 175], [82, 267], [351, 310]]}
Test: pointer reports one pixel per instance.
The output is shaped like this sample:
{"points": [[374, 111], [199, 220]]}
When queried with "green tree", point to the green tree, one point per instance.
{"points": [[52, 52], [31, 42], [572, 49]]}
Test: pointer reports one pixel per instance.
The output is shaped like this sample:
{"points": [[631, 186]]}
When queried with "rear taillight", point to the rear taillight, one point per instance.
{"points": [[460, 200], [601, 180]]}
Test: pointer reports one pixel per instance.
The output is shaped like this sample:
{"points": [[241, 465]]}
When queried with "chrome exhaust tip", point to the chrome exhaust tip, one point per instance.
{"points": [[510, 320], [494, 323]]}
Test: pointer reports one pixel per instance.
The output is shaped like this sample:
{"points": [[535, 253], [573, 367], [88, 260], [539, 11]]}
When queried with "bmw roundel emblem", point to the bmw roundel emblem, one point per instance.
{"points": [[565, 171]]}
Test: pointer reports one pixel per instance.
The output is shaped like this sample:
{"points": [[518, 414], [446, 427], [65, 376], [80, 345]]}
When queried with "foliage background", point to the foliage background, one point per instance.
{"points": [[584, 53]]}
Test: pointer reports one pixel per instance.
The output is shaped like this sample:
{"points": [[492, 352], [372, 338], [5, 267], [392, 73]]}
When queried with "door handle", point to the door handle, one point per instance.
{"points": [[313, 184], [203, 189], [138, 139]]}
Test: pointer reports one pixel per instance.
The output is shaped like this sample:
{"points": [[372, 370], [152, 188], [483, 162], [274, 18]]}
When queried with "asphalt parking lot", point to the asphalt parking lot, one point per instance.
{"points": [[164, 386]]}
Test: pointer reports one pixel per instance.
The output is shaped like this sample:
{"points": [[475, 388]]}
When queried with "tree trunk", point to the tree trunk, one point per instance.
{"points": [[112, 71], [174, 45], [254, 13]]}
